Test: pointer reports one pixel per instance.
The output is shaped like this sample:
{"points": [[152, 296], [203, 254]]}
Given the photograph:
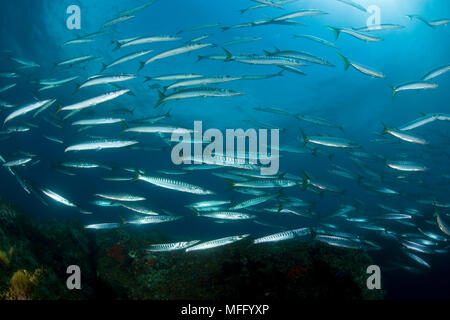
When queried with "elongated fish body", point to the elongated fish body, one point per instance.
{"points": [[436, 73], [137, 9], [176, 77], [139, 209], [411, 245], [252, 202], [95, 101], [197, 93], [216, 243], [365, 70], [406, 166], [152, 220], [204, 81], [158, 129], [417, 259], [380, 27], [17, 162], [395, 216], [163, 247], [83, 164], [270, 60], [174, 185], [353, 4], [78, 41], [227, 215], [117, 20], [301, 13], [147, 40], [57, 197], [413, 86], [25, 63], [77, 60], [99, 121], [405, 137], [126, 58], [330, 142], [269, 3], [318, 40], [419, 122], [121, 197], [208, 204], [26, 109], [201, 27], [102, 226], [176, 51], [101, 144], [267, 183], [338, 241], [281, 236], [443, 226], [106, 80], [353, 33], [54, 82], [7, 87]]}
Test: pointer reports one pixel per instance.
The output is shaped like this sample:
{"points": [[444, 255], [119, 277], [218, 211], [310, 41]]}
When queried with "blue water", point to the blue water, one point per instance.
{"points": [[35, 30]]}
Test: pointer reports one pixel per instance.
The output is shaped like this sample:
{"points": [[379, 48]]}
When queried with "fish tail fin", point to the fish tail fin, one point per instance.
{"points": [[279, 74], [125, 126], [59, 108], [225, 28], [118, 45], [147, 79], [345, 60], [199, 58], [385, 128], [77, 87], [305, 137], [168, 113], [141, 65], [394, 91], [104, 66], [336, 31], [161, 98], [228, 54], [267, 52], [305, 179]]}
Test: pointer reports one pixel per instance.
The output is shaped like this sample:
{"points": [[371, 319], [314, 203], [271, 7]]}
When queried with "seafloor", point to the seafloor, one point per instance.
{"points": [[114, 265]]}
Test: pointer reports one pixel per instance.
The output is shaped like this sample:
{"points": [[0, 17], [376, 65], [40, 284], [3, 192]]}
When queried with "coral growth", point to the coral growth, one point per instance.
{"points": [[22, 284]]}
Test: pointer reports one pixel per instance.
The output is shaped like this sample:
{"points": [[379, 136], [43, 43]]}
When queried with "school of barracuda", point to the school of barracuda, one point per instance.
{"points": [[417, 233]]}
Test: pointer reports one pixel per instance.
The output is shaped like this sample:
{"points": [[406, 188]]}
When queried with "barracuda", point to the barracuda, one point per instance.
{"points": [[57, 197], [95, 101], [99, 79], [101, 144], [125, 58], [174, 52], [253, 202], [285, 235], [171, 246], [217, 243], [26, 109], [152, 220], [173, 184], [196, 93], [403, 136]]}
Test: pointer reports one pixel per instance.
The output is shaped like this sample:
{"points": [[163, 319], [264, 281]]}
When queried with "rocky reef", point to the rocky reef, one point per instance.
{"points": [[34, 258]]}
